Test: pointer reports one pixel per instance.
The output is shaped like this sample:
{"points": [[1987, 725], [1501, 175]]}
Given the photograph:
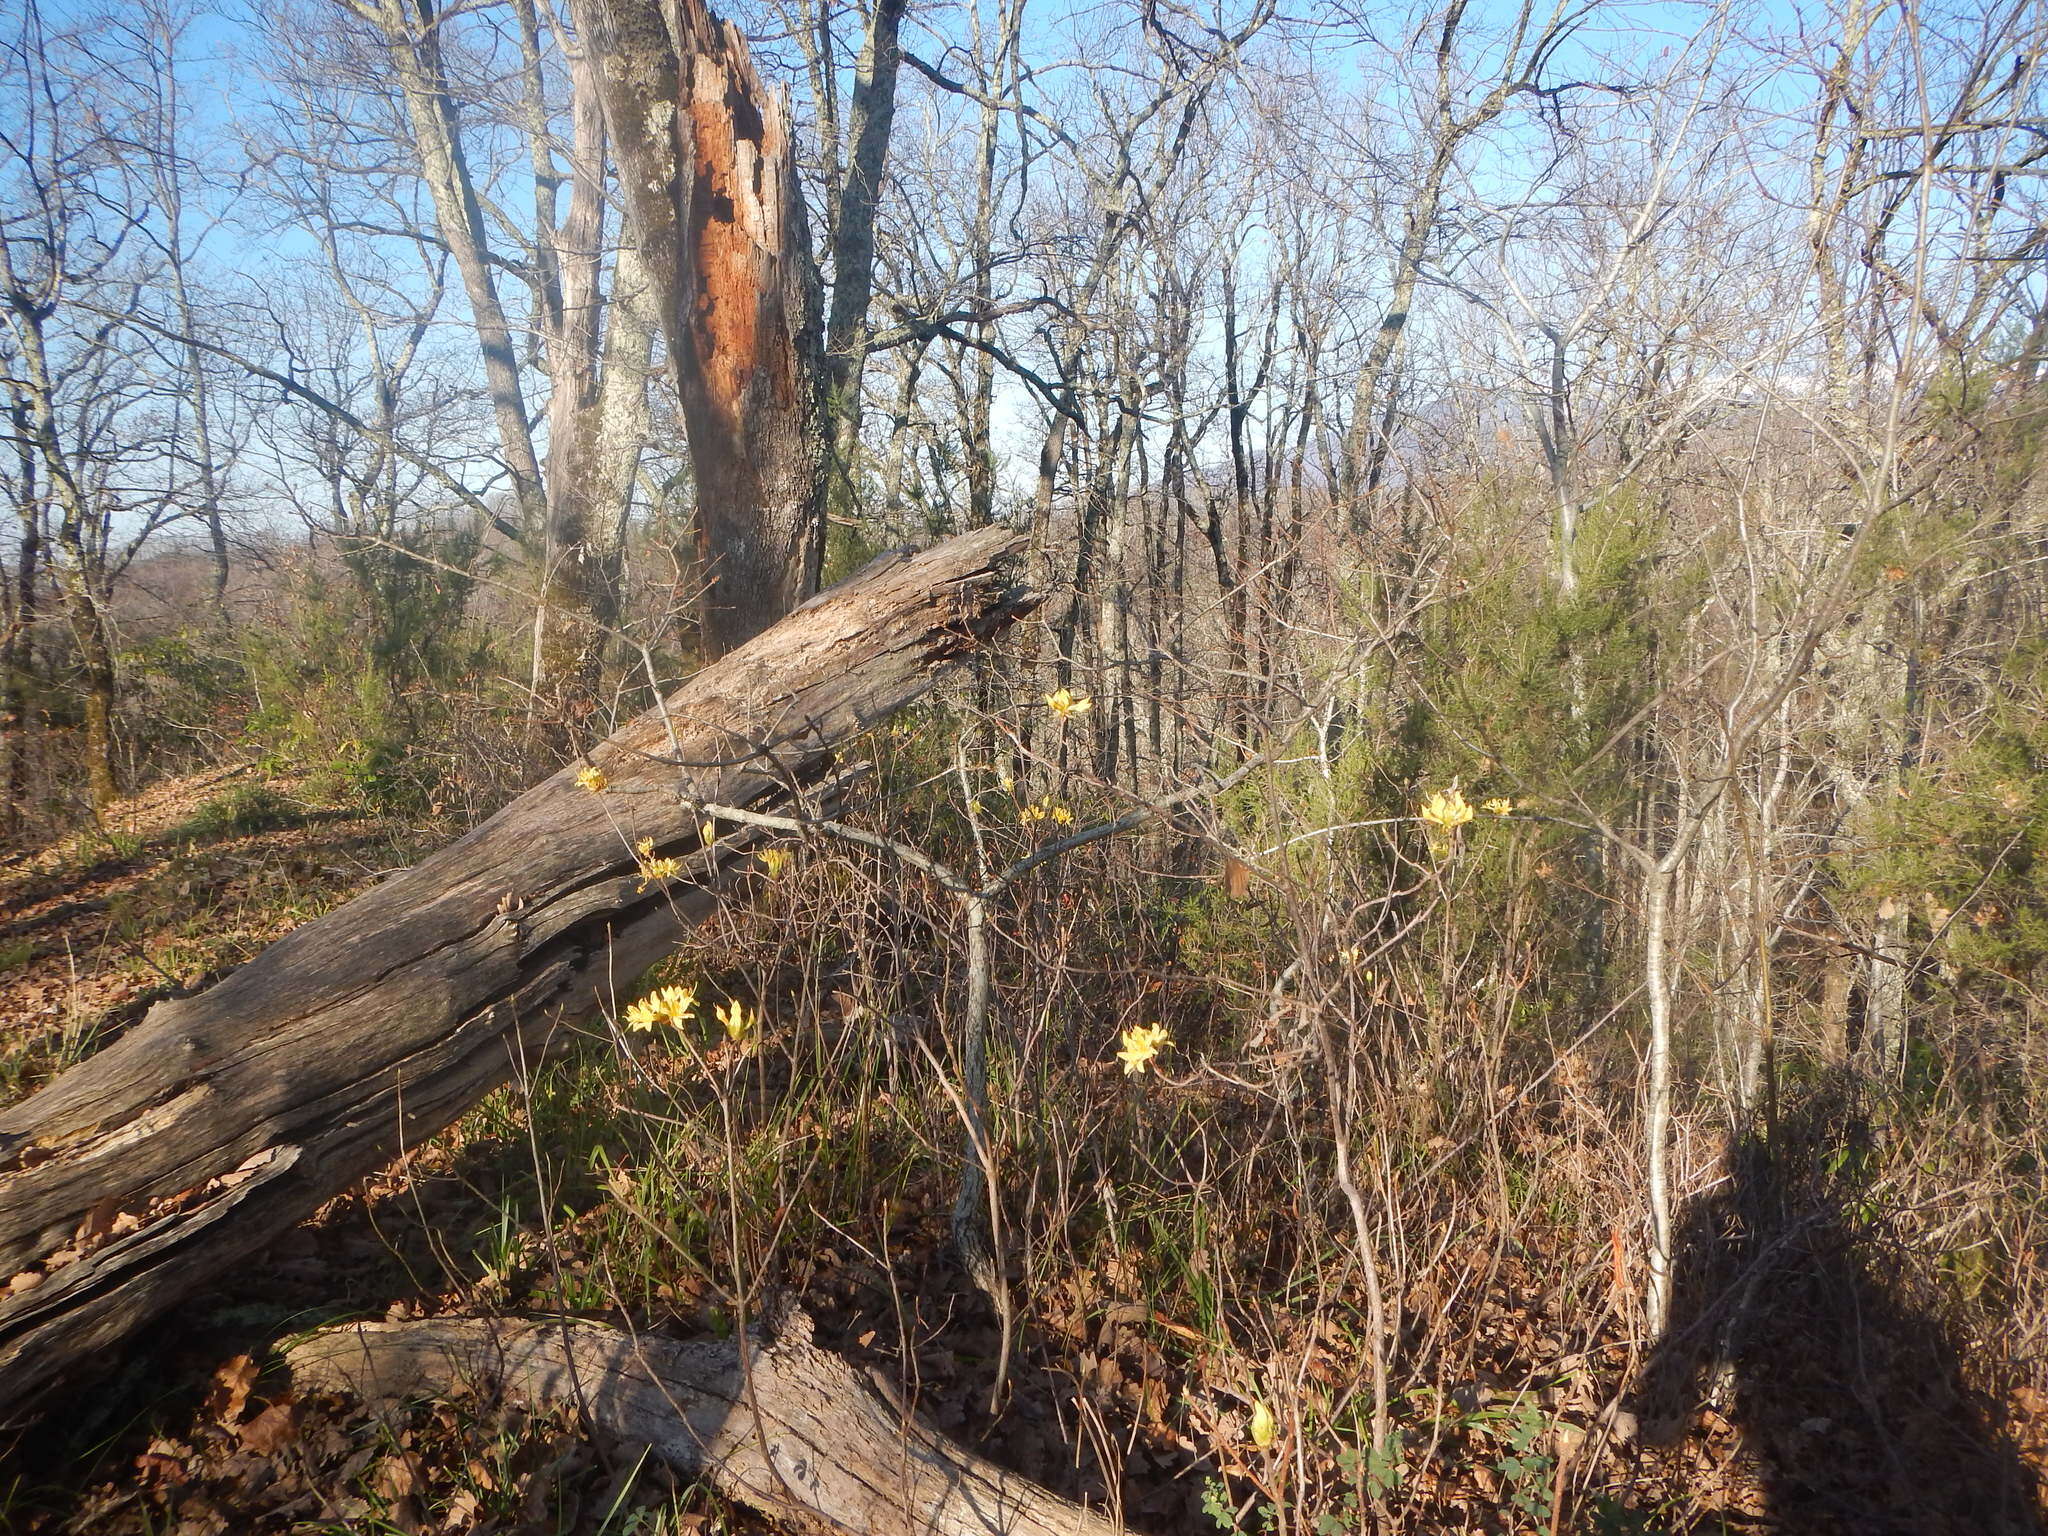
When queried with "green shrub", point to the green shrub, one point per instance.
{"points": [[246, 809], [357, 678]]}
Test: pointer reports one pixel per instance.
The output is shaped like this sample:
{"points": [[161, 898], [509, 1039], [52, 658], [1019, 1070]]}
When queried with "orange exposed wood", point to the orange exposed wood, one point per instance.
{"points": [[706, 165]]}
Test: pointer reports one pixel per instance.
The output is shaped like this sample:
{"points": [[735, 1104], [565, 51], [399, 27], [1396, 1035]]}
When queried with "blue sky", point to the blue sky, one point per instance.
{"points": [[1772, 48]]}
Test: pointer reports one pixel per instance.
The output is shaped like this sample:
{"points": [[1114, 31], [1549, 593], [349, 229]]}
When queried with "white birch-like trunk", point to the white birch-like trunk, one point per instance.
{"points": [[1657, 1118]]}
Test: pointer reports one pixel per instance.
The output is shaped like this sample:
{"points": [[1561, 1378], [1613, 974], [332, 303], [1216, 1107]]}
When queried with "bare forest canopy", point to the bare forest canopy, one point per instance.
{"points": [[1483, 949]]}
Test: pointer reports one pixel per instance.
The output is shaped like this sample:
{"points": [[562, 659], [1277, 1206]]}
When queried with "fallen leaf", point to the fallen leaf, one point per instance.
{"points": [[231, 1384], [272, 1429], [159, 1469], [393, 1478]]}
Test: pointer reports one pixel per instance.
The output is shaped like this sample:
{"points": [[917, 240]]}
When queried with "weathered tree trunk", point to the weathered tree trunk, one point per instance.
{"points": [[599, 348], [1837, 983], [790, 1431], [88, 616], [709, 176], [198, 389], [77, 550], [853, 230], [1659, 881], [17, 646], [1884, 992], [223, 1119], [614, 430], [412, 39], [980, 365]]}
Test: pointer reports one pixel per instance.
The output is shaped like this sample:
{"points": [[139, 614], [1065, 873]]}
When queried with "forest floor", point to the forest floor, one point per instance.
{"points": [[1114, 1397]]}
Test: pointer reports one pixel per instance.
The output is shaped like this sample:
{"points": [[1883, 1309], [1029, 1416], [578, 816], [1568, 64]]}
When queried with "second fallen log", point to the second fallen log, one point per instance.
{"points": [[772, 1421]]}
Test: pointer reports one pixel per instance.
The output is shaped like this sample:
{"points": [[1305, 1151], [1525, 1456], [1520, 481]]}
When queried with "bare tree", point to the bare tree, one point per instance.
{"points": [[415, 39], [70, 271]]}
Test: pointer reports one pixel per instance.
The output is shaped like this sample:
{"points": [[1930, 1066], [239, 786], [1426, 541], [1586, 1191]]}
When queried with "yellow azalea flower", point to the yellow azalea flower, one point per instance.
{"points": [[593, 779], [1351, 954], [1141, 1044], [1263, 1429], [776, 862], [1046, 809], [654, 871], [1066, 703], [1499, 805], [739, 1023], [1446, 809], [664, 1005]]}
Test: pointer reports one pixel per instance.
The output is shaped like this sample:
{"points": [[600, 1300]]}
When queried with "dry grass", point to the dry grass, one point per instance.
{"points": [[1178, 1243]]}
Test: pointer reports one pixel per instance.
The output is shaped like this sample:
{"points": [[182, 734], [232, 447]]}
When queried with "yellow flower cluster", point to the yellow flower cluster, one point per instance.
{"points": [[652, 870], [673, 1006], [593, 779], [1141, 1044], [775, 862], [1446, 809], [1066, 703], [1046, 810], [1350, 955]]}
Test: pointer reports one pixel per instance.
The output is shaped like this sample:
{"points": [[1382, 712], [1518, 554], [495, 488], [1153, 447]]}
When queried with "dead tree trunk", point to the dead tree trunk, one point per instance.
{"points": [[709, 177], [224, 1119], [790, 1431]]}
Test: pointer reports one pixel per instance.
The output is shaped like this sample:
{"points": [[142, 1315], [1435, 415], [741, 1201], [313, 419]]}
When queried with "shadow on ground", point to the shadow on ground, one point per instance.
{"points": [[1798, 1332]]}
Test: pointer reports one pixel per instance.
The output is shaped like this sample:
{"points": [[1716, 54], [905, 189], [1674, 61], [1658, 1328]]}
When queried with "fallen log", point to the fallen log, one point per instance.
{"points": [[790, 1430], [224, 1119]]}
